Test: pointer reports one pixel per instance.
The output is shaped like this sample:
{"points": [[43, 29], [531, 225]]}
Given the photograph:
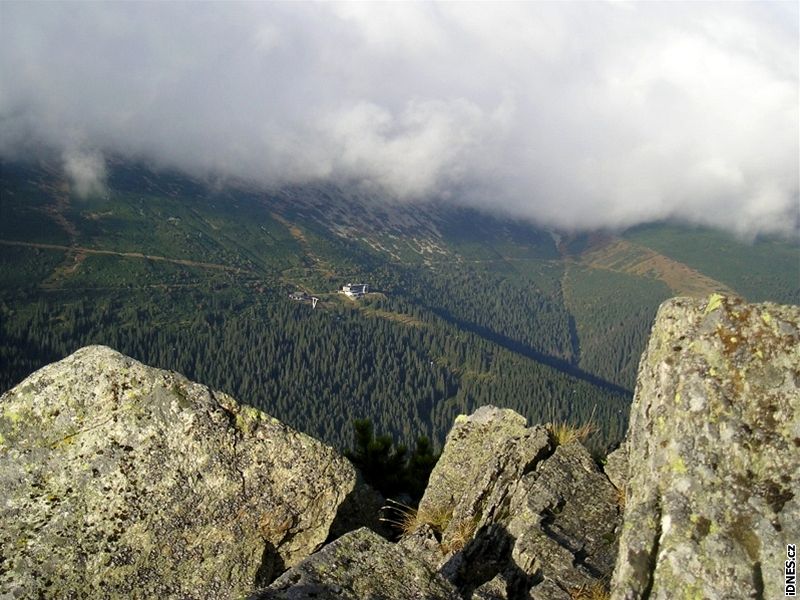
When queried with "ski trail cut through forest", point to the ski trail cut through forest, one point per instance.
{"points": [[78, 249]]}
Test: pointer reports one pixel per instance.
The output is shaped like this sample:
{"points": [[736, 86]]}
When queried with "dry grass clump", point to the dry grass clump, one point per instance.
{"points": [[562, 432], [460, 535], [622, 497], [438, 517], [594, 591], [407, 519], [400, 516]]}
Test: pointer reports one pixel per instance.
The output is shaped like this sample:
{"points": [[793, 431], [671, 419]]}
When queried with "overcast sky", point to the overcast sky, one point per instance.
{"points": [[571, 114]]}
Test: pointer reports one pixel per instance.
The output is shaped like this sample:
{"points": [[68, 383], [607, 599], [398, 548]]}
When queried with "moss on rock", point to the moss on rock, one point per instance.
{"points": [[712, 458], [118, 480]]}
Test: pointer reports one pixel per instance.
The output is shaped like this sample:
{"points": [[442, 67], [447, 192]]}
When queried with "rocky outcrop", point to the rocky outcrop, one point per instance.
{"points": [[713, 453], [118, 481], [484, 456], [564, 519], [507, 514], [616, 467], [358, 566], [519, 517]]}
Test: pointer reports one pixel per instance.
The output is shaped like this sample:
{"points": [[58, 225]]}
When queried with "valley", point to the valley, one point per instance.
{"points": [[469, 308]]}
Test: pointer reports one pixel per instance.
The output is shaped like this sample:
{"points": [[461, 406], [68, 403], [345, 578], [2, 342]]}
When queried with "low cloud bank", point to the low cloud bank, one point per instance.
{"points": [[575, 115], [86, 173]]}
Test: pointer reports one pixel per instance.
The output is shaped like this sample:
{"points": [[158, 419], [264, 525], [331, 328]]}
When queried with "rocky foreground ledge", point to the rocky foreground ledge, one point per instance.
{"points": [[118, 480], [714, 442]]}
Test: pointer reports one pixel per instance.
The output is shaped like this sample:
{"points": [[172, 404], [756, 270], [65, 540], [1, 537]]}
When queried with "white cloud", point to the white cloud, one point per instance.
{"points": [[412, 154], [86, 172], [570, 114]]}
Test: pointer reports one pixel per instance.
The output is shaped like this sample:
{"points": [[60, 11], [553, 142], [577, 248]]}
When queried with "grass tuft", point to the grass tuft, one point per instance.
{"points": [[594, 591], [461, 535], [622, 497], [562, 432], [407, 519]]}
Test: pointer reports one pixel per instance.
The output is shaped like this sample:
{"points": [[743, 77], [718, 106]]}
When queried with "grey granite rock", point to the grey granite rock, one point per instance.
{"points": [[516, 513], [118, 480], [423, 544], [494, 589], [484, 455], [564, 518], [360, 566], [616, 467], [713, 453]]}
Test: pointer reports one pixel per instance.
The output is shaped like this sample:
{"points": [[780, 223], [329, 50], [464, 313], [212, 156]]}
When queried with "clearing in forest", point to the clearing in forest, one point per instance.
{"points": [[618, 255]]}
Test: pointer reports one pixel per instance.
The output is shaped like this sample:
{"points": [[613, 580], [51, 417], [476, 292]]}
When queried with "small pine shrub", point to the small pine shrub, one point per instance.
{"points": [[389, 467]]}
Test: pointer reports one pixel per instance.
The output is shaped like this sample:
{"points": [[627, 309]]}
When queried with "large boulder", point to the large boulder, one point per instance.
{"points": [[518, 516], [358, 566], [485, 454], [713, 440], [119, 480], [564, 518]]}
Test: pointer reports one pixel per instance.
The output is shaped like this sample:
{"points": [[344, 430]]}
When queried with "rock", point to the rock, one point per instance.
{"points": [[463, 494], [549, 590], [357, 566], [361, 508], [119, 480], [559, 534], [616, 467], [494, 589], [713, 453], [565, 518], [423, 544], [520, 515]]}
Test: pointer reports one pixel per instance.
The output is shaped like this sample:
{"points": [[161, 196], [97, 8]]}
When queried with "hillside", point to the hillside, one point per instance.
{"points": [[470, 309], [122, 480]]}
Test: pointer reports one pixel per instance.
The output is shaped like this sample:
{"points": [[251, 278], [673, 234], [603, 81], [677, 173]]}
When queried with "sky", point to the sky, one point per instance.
{"points": [[574, 115]]}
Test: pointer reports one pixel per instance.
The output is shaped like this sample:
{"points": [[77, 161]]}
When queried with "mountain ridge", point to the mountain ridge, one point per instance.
{"points": [[496, 296]]}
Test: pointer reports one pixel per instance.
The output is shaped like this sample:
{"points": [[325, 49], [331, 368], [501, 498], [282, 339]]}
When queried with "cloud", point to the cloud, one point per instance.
{"points": [[574, 115], [86, 172]]}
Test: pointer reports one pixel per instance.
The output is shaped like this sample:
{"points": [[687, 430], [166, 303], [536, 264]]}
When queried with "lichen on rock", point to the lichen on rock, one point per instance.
{"points": [[542, 518], [119, 480], [713, 446], [360, 565]]}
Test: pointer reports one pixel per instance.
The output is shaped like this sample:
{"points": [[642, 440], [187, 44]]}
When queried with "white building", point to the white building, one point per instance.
{"points": [[355, 290]]}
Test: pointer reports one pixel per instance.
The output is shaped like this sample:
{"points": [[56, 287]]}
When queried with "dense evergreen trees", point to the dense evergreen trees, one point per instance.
{"points": [[317, 370], [482, 321], [388, 467]]}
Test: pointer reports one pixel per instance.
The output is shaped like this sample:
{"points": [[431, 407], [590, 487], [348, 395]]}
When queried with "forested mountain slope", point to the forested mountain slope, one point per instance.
{"points": [[470, 309]]}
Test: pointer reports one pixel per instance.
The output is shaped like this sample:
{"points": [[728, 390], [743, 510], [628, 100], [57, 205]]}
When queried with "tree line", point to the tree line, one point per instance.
{"points": [[317, 370]]}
